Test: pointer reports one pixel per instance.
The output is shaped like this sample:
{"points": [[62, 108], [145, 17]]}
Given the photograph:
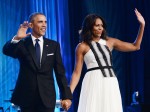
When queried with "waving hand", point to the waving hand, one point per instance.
{"points": [[139, 17], [22, 31]]}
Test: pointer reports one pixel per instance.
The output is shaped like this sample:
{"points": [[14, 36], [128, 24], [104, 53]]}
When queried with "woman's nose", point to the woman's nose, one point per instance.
{"points": [[100, 28]]}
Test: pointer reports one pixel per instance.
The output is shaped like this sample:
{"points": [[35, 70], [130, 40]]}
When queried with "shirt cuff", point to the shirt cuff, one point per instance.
{"points": [[14, 41]]}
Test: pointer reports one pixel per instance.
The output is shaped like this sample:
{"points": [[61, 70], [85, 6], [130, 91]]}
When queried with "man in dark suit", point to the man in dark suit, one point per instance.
{"points": [[38, 57]]}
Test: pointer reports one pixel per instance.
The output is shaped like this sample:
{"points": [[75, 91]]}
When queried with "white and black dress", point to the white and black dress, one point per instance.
{"points": [[100, 90]]}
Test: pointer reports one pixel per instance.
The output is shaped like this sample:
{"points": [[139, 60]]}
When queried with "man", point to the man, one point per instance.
{"points": [[38, 56]]}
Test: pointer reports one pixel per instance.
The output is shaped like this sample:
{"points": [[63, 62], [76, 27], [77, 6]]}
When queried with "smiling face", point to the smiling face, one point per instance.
{"points": [[97, 28], [38, 26]]}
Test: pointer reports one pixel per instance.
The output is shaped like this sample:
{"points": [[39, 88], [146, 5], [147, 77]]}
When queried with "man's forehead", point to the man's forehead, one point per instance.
{"points": [[40, 17]]}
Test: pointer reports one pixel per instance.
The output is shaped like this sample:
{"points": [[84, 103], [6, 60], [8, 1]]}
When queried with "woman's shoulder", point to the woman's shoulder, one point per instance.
{"points": [[111, 39], [82, 47], [110, 42]]}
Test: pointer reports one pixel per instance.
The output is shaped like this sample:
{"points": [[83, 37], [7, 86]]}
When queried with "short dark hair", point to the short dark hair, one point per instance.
{"points": [[33, 15], [87, 26]]}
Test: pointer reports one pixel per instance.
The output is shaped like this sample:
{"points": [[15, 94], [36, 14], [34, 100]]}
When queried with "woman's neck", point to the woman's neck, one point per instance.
{"points": [[96, 39]]}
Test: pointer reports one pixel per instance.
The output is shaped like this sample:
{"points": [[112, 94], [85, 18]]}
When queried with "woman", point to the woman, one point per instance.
{"points": [[100, 90]]}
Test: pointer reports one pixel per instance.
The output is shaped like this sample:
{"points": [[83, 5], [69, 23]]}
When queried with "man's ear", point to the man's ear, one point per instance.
{"points": [[30, 25]]}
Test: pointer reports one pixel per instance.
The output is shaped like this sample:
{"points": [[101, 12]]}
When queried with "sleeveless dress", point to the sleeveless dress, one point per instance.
{"points": [[100, 90]]}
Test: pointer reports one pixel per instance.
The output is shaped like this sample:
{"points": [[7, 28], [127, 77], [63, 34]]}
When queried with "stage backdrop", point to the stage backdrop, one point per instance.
{"points": [[64, 20], [12, 14]]}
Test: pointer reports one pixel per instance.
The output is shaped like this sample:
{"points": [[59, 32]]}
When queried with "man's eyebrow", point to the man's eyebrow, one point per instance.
{"points": [[42, 21]]}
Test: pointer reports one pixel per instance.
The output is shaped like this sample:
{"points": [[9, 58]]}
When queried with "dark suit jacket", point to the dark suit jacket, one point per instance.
{"points": [[31, 77]]}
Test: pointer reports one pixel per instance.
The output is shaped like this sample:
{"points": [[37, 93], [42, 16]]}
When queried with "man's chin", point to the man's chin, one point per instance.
{"points": [[42, 34]]}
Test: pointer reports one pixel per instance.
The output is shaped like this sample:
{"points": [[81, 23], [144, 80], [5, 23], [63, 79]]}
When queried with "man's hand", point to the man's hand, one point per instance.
{"points": [[66, 104], [22, 31]]}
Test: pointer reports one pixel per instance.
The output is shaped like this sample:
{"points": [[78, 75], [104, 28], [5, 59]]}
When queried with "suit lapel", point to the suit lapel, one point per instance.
{"points": [[45, 50]]}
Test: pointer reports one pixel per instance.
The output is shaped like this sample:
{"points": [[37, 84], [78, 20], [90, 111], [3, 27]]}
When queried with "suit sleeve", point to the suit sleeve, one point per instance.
{"points": [[60, 76], [11, 49]]}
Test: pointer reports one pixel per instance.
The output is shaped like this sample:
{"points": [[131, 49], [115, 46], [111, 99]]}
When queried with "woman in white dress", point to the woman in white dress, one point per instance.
{"points": [[100, 90]]}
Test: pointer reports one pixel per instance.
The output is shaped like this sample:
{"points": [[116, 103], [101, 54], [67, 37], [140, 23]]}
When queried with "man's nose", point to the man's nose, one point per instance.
{"points": [[44, 24]]}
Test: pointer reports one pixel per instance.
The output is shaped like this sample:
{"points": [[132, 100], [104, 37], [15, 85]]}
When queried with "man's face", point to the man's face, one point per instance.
{"points": [[38, 26]]}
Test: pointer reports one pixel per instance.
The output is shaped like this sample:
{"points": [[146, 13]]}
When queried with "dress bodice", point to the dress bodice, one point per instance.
{"points": [[89, 58]]}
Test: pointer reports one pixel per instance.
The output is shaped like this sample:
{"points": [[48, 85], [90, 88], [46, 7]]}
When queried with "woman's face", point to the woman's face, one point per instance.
{"points": [[97, 28]]}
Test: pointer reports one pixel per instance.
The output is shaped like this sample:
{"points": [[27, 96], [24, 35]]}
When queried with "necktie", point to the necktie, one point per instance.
{"points": [[38, 51]]}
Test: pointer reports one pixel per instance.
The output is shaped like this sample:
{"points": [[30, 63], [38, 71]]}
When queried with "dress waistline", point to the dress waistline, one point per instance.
{"points": [[103, 67]]}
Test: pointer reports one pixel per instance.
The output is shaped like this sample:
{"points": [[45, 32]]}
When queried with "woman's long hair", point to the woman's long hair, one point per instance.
{"points": [[87, 26]]}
